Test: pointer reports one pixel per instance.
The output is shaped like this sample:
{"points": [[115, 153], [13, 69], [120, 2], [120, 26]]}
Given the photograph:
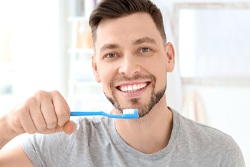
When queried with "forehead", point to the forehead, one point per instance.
{"points": [[126, 29]]}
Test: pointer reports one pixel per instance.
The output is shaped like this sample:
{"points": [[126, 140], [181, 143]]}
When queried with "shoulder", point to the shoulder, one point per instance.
{"points": [[208, 141], [199, 131]]}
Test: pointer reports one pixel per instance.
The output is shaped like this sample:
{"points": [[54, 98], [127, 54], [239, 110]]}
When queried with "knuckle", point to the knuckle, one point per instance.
{"points": [[21, 110], [29, 102], [41, 93], [55, 92]]}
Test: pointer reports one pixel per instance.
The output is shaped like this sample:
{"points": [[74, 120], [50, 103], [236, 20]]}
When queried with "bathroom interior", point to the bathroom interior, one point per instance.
{"points": [[46, 45]]}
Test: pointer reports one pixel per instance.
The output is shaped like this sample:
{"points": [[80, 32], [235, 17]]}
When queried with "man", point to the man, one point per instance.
{"points": [[131, 60]]}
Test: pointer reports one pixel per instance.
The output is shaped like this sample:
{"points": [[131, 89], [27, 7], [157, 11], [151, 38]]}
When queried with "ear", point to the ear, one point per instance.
{"points": [[170, 57], [95, 70]]}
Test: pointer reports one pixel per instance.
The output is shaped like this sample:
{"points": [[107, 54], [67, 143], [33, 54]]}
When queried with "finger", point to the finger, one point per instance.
{"points": [[61, 108], [69, 127], [47, 109], [37, 116], [26, 120]]}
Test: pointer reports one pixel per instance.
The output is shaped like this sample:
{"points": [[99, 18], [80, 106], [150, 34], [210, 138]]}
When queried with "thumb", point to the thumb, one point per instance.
{"points": [[69, 127]]}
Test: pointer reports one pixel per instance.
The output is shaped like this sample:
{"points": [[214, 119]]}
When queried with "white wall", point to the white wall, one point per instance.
{"points": [[35, 48]]}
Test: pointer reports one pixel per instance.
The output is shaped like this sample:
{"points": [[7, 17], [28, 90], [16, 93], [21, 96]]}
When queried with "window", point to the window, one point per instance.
{"points": [[213, 40]]}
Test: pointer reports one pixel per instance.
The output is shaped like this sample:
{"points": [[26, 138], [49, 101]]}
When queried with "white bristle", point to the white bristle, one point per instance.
{"points": [[128, 111]]}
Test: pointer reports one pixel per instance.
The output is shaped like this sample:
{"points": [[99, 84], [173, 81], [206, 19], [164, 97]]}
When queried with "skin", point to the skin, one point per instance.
{"points": [[125, 49], [44, 112], [128, 51]]}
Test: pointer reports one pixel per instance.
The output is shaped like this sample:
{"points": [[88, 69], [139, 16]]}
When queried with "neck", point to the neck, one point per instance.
{"points": [[149, 134]]}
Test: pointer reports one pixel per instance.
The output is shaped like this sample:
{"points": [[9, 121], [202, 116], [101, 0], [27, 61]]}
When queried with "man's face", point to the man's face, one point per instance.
{"points": [[131, 61]]}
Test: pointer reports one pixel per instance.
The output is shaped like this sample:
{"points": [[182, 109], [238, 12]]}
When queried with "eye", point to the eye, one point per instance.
{"points": [[145, 50], [110, 56]]}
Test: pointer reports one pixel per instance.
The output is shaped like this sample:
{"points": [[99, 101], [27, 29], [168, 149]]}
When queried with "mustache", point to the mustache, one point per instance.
{"points": [[135, 77]]}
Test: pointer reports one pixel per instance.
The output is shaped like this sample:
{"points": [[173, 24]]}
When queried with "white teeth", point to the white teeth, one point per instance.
{"points": [[132, 88]]}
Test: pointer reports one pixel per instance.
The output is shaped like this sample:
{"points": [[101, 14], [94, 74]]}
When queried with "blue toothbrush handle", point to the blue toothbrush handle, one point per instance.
{"points": [[132, 115], [87, 113]]}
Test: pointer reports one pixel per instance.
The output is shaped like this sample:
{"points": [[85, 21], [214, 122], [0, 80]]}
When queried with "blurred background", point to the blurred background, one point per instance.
{"points": [[46, 45]]}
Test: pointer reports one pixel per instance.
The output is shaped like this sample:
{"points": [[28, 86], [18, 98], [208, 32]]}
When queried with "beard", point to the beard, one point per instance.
{"points": [[144, 109]]}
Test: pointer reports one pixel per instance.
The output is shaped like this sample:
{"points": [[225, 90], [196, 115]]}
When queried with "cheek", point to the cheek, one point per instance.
{"points": [[106, 76], [158, 67], [159, 70]]}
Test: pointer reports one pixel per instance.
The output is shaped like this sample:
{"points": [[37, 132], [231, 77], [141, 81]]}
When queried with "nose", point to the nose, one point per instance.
{"points": [[129, 67]]}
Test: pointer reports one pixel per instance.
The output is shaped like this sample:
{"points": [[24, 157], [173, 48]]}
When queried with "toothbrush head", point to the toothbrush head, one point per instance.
{"points": [[130, 113]]}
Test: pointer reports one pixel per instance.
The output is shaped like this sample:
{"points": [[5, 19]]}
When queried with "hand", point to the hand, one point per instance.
{"points": [[45, 112]]}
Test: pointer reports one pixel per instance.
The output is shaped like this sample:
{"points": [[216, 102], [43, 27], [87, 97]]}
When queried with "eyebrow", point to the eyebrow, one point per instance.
{"points": [[144, 40], [136, 42], [108, 46]]}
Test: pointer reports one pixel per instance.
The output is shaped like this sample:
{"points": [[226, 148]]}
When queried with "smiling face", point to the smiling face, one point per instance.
{"points": [[131, 61]]}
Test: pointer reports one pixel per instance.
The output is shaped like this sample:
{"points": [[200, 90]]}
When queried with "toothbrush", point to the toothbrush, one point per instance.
{"points": [[127, 114]]}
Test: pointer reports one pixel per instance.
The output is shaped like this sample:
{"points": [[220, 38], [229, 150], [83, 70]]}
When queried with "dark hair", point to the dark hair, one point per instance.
{"points": [[108, 9]]}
